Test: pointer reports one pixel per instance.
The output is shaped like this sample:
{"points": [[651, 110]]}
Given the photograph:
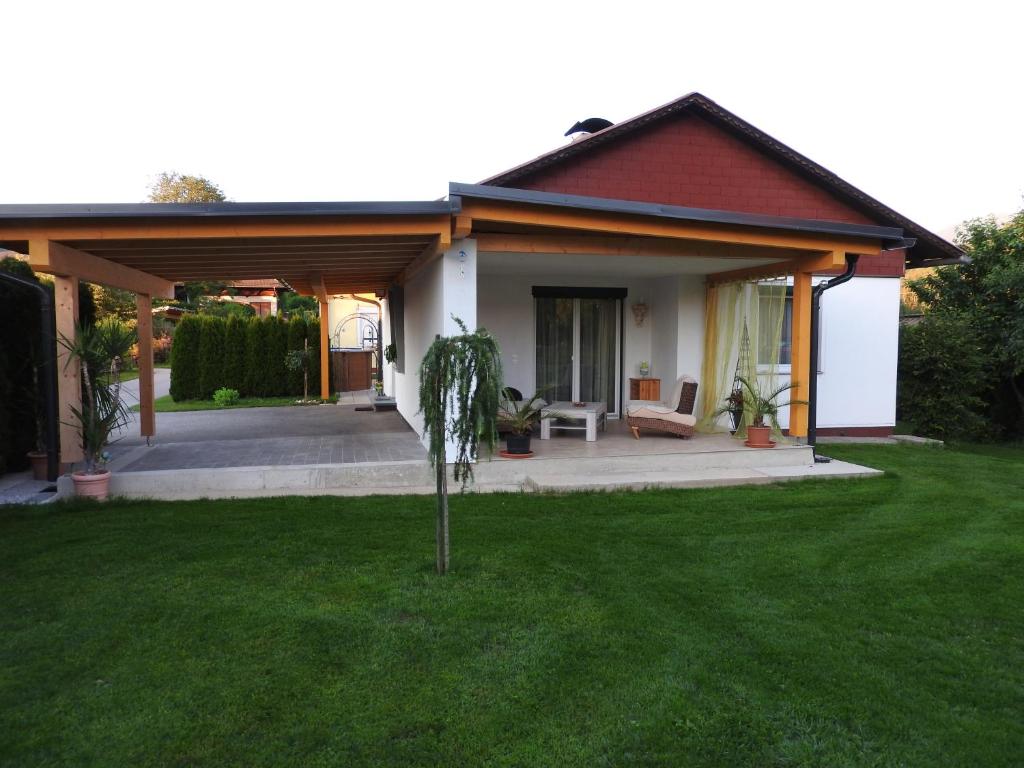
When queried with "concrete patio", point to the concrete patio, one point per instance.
{"points": [[339, 450]]}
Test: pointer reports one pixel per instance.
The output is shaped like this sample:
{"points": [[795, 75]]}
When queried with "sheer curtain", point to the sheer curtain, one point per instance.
{"points": [[597, 351], [554, 348], [743, 324]]}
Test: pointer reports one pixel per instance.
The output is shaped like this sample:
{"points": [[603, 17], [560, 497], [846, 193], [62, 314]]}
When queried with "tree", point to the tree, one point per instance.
{"points": [[988, 295], [292, 304], [176, 187], [114, 302], [234, 354], [460, 390], [211, 356], [185, 359]]}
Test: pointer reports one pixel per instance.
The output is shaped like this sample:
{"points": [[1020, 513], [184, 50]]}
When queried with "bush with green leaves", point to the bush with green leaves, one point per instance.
{"points": [[277, 348], [255, 358], [234, 353], [296, 343], [185, 361], [987, 296], [225, 397], [313, 336], [944, 376], [211, 356]]}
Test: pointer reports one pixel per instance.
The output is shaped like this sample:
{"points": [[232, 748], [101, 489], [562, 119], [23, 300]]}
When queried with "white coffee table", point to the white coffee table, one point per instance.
{"points": [[589, 413]]}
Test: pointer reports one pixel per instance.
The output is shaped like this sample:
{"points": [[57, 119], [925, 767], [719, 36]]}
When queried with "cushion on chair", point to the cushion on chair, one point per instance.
{"points": [[661, 412]]}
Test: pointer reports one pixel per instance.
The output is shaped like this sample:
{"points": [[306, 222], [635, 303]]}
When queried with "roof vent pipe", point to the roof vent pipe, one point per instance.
{"points": [[812, 399]]}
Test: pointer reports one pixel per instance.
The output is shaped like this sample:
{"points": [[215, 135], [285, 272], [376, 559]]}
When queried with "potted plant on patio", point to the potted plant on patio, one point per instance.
{"points": [[99, 349], [760, 406], [517, 418], [734, 407]]}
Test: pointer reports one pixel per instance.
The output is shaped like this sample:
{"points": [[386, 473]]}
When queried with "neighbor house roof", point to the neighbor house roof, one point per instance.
{"points": [[930, 247]]}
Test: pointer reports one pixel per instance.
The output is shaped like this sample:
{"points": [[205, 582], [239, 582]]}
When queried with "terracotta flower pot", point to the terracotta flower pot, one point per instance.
{"points": [[759, 437], [94, 486], [38, 461]]}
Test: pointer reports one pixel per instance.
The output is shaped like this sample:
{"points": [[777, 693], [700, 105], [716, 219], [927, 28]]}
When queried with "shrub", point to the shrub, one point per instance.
{"points": [[185, 359], [255, 347], [296, 343], [277, 348], [943, 378], [235, 353], [225, 397], [313, 334], [211, 356]]}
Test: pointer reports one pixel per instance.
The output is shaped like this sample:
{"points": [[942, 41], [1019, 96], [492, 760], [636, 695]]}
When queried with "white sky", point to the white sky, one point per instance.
{"points": [[918, 104]]}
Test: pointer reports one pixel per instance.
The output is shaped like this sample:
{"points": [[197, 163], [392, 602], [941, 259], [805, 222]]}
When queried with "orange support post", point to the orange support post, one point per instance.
{"points": [[144, 327], [801, 353], [325, 353]]}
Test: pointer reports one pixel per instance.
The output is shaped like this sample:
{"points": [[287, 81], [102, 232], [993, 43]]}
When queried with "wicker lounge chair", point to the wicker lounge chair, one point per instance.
{"points": [[674, 416]]}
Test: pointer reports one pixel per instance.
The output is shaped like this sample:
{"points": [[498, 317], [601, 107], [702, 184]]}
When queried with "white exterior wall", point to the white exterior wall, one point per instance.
{"points": [[443, 288], [859, 350], [671, 338]]}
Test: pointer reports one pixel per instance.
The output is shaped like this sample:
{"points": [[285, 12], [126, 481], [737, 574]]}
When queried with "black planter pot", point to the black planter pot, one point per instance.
{"points": [[736, 414], [517, 444]]}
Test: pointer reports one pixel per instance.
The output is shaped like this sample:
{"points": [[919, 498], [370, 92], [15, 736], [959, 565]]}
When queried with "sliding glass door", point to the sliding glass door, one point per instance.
{"points": [[578, 349]]}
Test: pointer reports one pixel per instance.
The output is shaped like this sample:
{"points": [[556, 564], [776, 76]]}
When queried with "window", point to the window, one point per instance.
{"points": [[766, 328], [764, 332]]}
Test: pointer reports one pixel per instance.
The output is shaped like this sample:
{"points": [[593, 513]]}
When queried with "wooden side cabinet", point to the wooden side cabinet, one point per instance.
{"points": [[645, 389]]}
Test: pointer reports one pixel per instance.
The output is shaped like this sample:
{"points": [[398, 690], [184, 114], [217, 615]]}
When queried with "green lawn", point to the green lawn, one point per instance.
{"points": [[845, 623], [166, 405]]}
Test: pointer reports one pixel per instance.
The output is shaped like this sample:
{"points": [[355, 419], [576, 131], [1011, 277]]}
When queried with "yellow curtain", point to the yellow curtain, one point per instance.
{"points": [[742, 334]]}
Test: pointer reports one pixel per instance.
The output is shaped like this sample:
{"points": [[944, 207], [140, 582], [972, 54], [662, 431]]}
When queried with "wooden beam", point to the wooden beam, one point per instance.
{"points": [[461, 227], [438, 246], [57, 259], [603, 245], [69, 382], [627, 224], [800, 371], [144, 330], [165, 230], [316, 282], [325, 351], [818, 263]]}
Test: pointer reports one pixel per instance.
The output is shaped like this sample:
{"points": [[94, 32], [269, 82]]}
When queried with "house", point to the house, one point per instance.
{"points": [[684, 238]]}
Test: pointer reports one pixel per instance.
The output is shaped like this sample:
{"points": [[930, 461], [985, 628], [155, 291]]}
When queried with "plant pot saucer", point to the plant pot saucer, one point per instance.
{"points": [[507, 455], [769, 444]]}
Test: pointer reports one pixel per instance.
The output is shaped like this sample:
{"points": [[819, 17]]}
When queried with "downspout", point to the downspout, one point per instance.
{"points": [[812, 399], [48, 338]]}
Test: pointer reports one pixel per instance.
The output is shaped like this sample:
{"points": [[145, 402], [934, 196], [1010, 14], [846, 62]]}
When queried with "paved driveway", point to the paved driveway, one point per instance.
{"points": [[289, 435]]}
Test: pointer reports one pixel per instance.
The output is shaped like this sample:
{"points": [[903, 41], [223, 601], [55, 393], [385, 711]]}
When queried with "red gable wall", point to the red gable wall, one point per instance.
{"points": [[690, 162]]}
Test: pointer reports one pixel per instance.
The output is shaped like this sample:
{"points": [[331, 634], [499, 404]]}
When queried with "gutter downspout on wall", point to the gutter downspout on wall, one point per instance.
{"points": [[48, 338], [812, 399]]}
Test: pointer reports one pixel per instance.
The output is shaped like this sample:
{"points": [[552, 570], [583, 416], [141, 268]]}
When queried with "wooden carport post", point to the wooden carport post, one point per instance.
{"points": [[144, 327], [325, 352], [801, 370], [69, 384]]}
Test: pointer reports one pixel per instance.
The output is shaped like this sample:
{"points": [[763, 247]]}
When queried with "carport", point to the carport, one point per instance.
{"points": [[318, 249]]}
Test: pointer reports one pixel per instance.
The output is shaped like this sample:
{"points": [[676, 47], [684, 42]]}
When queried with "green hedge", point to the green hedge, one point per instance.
{"points": [[943, 379], [238, 353], [211, 356], [234, 354], [296, 340]]}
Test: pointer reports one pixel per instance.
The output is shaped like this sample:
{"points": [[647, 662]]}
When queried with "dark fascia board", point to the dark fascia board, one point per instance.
{"points": [[892, 237], [221, 210], [931, 249]]}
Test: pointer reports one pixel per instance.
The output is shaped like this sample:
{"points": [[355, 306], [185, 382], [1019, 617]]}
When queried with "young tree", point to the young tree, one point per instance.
{"points": [[460, 390]]}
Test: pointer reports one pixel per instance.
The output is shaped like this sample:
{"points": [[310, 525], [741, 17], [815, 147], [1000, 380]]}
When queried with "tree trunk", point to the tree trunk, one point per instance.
{"points": [[442, 518]]}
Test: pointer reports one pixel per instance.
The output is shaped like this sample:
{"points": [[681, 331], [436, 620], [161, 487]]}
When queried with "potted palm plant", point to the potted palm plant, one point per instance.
{"points": [[99, 350], [760, 409], [517, 418]]}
